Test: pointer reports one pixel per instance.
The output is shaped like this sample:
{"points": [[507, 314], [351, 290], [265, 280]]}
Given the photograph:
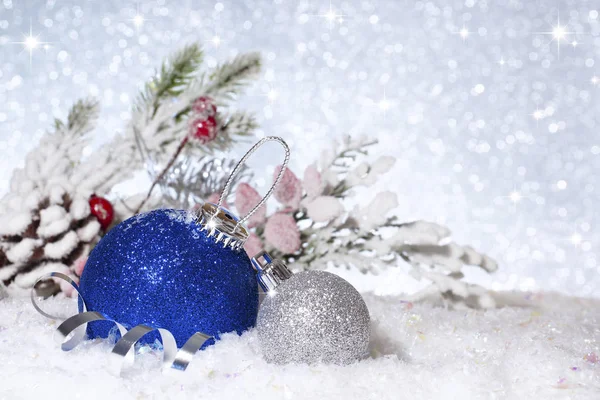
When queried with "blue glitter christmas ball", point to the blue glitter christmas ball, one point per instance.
{"points": [[166, 270]]}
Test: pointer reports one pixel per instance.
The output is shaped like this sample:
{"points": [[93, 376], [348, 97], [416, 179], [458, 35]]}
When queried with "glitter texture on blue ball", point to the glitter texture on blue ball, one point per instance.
{"points": [[164, 270]]}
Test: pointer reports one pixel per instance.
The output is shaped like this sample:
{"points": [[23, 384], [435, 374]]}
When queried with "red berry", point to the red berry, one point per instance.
{"points": [[102, 210], [204, 106], [203, 129]]}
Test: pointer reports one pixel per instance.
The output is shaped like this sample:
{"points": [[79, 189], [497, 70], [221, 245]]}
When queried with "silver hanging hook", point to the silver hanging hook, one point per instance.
{"points": [[239, 166]]}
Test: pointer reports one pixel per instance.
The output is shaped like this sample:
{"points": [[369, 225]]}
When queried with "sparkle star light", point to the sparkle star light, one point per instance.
{"points": [[272, 95], [538, 114], [576, 239], [464, 33], [559, 33], [32, 42], [384, 104], [515, 197], [332, 16], [138, 20], [215, 40]]}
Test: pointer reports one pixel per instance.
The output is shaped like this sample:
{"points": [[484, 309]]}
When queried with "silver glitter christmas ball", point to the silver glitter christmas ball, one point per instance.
{"points": [[312, 317]]}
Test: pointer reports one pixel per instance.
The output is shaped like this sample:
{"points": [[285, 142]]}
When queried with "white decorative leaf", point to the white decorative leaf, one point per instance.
{"points": [[324, 208]]}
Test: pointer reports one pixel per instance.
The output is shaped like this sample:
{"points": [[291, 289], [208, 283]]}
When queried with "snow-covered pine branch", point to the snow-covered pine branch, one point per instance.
{"points": [[228, 78], [161, 116], [175, 75], [238, 125], [45, 220], [116, 161]]}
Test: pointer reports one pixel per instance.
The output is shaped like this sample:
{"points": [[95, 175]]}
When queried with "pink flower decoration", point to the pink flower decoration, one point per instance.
{"points": [[282, 232], [79, 265], [253, 245], [312, 181], [214, 198], [246, 198], [289, 190]]}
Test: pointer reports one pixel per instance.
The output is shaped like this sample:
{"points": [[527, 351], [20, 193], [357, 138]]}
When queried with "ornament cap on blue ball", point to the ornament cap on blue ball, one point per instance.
{"points": [[178, 270], [223, 226]]}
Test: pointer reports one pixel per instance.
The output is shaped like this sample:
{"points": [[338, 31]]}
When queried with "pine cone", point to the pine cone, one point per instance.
{"points": [[48, 234]]}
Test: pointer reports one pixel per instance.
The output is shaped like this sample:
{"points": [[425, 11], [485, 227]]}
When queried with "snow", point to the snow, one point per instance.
{"points": [[57, 250], [15, 224], [80, 208], [56, 193], [26, 280], [6, 272], [22, 250], [54, 220], [33, 199], [545, 348], [89, 231]]}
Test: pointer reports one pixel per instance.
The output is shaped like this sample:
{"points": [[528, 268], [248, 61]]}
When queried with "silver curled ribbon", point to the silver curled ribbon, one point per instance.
{"points": [[73, 329]]}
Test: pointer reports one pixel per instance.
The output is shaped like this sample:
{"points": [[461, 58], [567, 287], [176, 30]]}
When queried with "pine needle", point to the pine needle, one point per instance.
{"points": [[228, 78], [81, 119], [174, 76], [82, 116]]}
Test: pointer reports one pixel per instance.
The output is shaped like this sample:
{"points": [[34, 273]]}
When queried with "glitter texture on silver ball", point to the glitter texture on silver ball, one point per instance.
{"points": [[314, 316]]}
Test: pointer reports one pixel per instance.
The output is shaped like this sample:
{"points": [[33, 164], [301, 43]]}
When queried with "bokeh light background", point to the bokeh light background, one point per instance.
{"points": [[491, 107]]}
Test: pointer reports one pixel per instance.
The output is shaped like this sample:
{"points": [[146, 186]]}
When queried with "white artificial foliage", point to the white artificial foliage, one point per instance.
{"points": [[375, 213], [369, 239], [323, 208]]}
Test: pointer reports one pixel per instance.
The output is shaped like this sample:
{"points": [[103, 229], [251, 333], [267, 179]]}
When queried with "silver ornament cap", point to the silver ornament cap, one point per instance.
{"points": [[312, 317], [222, 225], [269, 273]]}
